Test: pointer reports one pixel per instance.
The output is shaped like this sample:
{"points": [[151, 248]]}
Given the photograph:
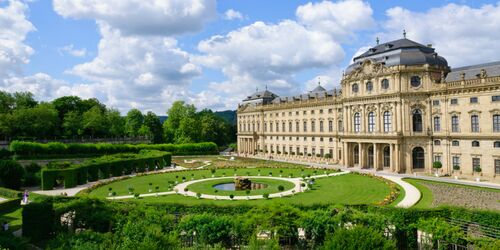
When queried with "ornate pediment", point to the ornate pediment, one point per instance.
{"points": [[371, 108], [368, 69], [356, 109], [495, 111], [418, 105], [386, 107]]}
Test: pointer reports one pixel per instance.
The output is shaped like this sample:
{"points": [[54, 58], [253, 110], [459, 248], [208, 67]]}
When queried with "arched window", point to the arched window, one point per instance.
{"points": [[455, 143], [371, 122], [418, 158], [330, 126], [437, 142], [415, 81], [356, 154], [355, 88], [385, 84], [387, 121], [437, 123], [417, 120], [496, 144], [475, 143], [357, 122], [474, 123], [369, 86]]}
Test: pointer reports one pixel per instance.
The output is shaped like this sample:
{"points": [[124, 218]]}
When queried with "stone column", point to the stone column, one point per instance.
{"points": [[376, 163], [361, 155], [392, 158]]}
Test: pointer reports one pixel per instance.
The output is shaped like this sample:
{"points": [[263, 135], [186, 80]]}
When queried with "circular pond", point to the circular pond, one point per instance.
{"points": [[226, 186], [231, 186]]}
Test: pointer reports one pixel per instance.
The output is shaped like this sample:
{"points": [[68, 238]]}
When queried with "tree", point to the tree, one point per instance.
{"points": [[133, 122], [23, 100], [88, 104], [152, 122], [177, 112], [6, 102], [116, 123], [40, 121], [11, 174], [94, 122], [72, 124], [67, 104], [358, 237]]}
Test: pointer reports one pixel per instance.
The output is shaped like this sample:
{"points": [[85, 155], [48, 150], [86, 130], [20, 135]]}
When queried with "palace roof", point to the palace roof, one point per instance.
{"points": [[474, 71]]}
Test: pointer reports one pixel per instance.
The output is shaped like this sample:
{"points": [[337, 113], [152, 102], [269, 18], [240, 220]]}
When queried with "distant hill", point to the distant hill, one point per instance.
{"points": [[228, 115]]}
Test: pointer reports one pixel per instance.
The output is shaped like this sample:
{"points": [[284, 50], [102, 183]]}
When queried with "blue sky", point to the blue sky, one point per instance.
{"points": [[147, 54]]}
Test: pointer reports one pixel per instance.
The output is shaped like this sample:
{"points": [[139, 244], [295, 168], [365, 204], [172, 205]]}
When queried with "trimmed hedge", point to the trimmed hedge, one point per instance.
{"points": [[103, 168], [38, 221], [57, 150], [10, 205]]}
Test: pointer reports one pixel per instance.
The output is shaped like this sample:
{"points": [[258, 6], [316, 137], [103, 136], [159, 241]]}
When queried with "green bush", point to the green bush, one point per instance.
{"points": [[38, 221], [9, 193], [32, 175], [437, 164], [358, 237], [55, 149], [4, 153], [11, 174]]}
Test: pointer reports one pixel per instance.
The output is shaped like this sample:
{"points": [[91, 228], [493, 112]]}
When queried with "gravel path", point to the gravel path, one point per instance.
{"points": [[463, 196]]}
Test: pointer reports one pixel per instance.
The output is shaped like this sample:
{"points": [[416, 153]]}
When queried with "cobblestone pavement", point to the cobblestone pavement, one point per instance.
{"points": [[464, 197]]}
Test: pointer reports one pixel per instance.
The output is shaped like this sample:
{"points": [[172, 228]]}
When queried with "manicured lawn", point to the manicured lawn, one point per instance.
{"points": [[426, 194], [206, 187], [225, 162], [14, 218], [167, 181], [402, 194], [344, 189]]}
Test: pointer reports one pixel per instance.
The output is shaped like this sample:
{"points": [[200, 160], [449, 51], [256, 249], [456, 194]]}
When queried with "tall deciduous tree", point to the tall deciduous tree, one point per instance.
{"points": [[24, 100], [176, 114], [134, 121], [41, 121], [72, 124], [152, 122], [116, 123], [95, 122], [6, 102]]}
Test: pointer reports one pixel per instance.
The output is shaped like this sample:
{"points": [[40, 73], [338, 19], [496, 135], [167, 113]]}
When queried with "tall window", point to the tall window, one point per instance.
{"points": [[476, 162], [474, 123], [496, 123], [456, 161], [297, 127], [497, 166], [454, 124], [265, 126], [417, 120], [475, 144], [271, 127], [321, 126], [387, 121], [313, 126], [371, 121], [277, 127], [330, 126], [496, 144], [290, 127], [357, 122], [283, 129], [305, 126], [437, 124]]}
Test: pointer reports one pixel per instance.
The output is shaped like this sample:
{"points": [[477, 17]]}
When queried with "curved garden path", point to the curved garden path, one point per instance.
{"points": [[180, 188]]}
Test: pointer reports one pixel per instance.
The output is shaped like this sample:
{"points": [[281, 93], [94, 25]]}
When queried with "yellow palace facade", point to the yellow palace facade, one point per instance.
{"points": [[400, 108]]}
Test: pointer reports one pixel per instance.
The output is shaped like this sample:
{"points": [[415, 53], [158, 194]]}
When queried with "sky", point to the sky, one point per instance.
{"points": [[147, 54]]}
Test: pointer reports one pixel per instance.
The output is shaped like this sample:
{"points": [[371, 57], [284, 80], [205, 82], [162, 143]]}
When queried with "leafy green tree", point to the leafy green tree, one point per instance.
{"points": [[133, 122], [72, 124], [178, 112], [11, 174], [95, 122], [6, 125], [67, 104], [6, 102], [116, 123], [358, 237], [88, 104], [155, 131], [41, 121], [23, 100]]}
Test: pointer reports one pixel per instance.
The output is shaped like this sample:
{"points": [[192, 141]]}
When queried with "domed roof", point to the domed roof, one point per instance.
{"points": [[400, 52], [318, 89]]}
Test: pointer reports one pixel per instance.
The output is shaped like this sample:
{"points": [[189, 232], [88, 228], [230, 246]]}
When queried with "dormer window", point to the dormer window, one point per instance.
{"points": [[372, 50], [355, 88], [388, 46], [369, 86], [415, 81]]}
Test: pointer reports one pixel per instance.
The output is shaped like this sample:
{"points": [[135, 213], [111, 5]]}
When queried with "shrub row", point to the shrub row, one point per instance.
{"points": [[9, 193], [10, 205], [56, 149], [103, 167]]}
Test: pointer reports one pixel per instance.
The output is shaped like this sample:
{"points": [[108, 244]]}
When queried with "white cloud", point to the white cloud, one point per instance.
{"points": [[139, 17], [14, 26], [233, 14], [267, 54], [70, 50], [340, 19], [462, 34]]}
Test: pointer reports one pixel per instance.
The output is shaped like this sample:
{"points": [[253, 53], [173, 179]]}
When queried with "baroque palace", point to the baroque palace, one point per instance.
{"points": [[401, 108]]}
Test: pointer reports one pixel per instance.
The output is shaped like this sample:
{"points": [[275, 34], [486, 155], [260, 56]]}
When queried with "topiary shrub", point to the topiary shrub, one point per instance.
{"points": [[11, 174], [358, 237], [437, 165], [32, 175], [38, 221], [265, 196], [281, 188]]}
